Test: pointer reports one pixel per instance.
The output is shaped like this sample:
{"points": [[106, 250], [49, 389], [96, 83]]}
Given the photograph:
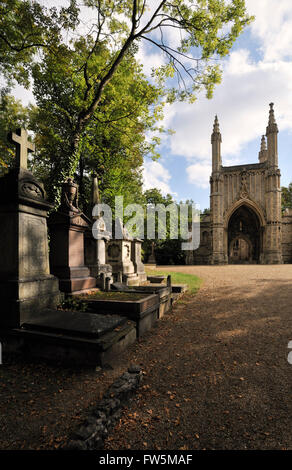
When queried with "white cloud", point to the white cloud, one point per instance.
{"points": [[199, 174], [155, 175], [149, 60], [241, 103], [272, 27]]}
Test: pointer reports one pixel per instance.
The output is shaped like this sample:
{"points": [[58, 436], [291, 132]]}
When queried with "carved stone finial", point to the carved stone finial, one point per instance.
{"points": [[216, 128], [263, 143], [216, 136], [272, 125], [263, 153]]}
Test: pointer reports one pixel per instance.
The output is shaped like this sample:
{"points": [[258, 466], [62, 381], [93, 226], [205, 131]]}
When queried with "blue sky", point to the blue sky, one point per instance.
{"points": [[258, 71]]}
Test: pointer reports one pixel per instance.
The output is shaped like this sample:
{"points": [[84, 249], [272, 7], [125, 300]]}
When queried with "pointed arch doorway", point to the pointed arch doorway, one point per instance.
{"points": [[244, 236]]}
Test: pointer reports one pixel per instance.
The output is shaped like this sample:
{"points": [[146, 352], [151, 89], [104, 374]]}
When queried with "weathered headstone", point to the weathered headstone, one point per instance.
{"points": [[67, 227], [118, 255], [152, 259], [26, 285], [95, 243], [137, 261]]}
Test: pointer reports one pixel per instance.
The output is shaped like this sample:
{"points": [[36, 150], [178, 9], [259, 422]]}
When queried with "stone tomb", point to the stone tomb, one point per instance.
{"points": [[143, 311], [124, 255], [119, 256], [67, 227], [74, 338], [26, 285], [29, 321]]}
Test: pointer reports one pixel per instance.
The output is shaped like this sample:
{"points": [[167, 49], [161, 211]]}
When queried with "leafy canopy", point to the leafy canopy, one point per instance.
{"points": [[81, 59]]}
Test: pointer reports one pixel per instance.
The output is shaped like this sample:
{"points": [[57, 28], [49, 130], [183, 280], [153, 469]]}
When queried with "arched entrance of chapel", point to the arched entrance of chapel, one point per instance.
{"points": [[244, 231]]}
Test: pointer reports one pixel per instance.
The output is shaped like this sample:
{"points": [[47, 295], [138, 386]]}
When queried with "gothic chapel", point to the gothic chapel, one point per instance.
{"points": [[245, 224]]}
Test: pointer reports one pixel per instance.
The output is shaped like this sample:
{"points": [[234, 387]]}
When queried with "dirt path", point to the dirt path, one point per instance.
{"points": [[217, 375]]}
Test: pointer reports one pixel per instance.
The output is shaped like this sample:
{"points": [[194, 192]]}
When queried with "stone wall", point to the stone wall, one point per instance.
{"points": [[287, 236], [203, 253]]}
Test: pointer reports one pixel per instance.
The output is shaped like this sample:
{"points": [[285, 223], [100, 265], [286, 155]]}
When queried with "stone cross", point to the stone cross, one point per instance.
{"points": [[23, 146]]}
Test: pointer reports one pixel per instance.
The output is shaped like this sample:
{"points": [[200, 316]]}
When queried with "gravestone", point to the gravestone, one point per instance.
{"points": [[26, 285], [137, 261], [67, 227], [95, 244], [119, 256], [152, 259]]}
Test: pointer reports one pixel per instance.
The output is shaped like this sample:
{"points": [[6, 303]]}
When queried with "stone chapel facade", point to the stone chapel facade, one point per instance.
{"points": [[245, 224]]}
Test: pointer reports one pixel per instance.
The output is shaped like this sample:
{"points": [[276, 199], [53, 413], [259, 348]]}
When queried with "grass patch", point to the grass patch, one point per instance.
{"points": [[193, 282]]}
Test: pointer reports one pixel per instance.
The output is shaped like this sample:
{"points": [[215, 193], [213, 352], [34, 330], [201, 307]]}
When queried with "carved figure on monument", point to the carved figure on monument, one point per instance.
{"points": [[69, 198], [95, 241], [243, 194]]}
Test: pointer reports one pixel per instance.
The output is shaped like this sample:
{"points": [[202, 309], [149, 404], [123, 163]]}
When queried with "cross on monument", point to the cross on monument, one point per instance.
{"points": [[23, 146]]}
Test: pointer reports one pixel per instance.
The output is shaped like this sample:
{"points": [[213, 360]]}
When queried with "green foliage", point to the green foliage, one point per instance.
{"points": [[167, 251], [94, 105], [12, 116], [286, 197], [25, 27], [114, 140]]}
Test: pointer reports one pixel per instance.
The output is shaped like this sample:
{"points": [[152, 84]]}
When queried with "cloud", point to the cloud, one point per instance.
{"points": [[149, 59], [272, 27], [199, 174], [253, 76], [155, 175], [241, 103]]}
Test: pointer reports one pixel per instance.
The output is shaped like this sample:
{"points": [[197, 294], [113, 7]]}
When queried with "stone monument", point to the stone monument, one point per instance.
{"points": [[137, 261], [152, 259], [118, 255], [26, 285], [95, 243], [67, 227]]}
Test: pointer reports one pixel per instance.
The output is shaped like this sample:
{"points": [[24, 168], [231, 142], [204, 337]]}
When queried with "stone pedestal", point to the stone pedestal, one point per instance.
{"points": [[136, 259], [118, 255], [67, 228], [26, 285], [67, 251], [95, 258]]}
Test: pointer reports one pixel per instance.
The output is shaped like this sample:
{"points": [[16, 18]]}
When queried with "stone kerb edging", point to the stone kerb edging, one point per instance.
{"points": [[95, 429]]}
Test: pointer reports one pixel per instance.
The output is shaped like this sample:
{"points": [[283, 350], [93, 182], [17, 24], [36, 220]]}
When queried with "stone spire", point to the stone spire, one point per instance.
{"points": [[216, 140], [263, 143], [263, 152], [272, 138], [216, 129], [272, 126]]}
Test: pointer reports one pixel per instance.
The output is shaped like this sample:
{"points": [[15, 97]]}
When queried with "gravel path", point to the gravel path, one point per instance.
{"points": [[216, 369]]}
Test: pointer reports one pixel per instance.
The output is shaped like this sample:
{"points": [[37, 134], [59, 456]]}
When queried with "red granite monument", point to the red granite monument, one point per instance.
{"points": [[67, 227]]}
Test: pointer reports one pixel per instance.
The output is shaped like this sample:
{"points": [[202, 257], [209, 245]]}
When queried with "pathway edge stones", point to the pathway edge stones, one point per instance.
{"points": [[95, 429]]}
